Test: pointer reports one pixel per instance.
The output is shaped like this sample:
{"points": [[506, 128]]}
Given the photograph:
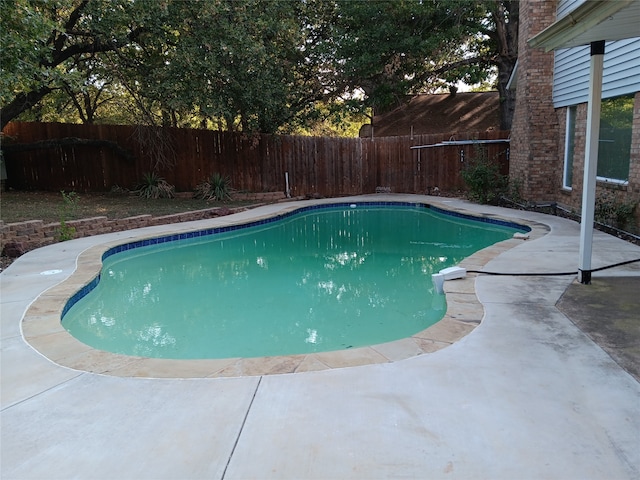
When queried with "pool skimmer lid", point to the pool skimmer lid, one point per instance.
{"points": [[450, 273]]}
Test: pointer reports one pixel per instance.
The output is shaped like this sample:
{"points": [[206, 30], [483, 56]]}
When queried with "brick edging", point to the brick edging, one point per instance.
{"points": [[20, 237]]}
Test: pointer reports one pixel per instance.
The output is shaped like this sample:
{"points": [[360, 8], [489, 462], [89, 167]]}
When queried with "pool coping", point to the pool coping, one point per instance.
{"points": [[42, 329]]}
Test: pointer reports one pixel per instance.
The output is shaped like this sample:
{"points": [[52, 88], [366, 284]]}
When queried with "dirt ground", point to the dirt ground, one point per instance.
{"points": [[608, 311], [19, 206]]}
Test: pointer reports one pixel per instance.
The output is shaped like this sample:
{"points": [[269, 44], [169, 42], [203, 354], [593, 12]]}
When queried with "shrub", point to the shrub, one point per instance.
{"points": [[513, 190], [67, 210], [609, 210], [117, 190], [153, 185], [483, 178], [216, 187]]}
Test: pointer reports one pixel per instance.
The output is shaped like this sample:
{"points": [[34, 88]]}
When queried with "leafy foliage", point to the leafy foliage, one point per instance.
{"points": [[616, 212], [216, 187], [22, 22], [417, 47], [67, 210], [393, 58], [153, 185], [65, 33], [616, 112], [250, 65], [483, 178]]}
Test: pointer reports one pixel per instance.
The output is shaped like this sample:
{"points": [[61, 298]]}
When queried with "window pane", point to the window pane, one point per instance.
{"points": [[614, 147]]}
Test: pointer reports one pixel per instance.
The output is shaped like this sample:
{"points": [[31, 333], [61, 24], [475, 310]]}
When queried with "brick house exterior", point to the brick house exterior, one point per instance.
{"points": [[534, 131], [539, 129]]}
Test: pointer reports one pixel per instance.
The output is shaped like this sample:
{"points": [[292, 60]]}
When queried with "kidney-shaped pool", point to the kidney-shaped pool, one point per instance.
{"points": [[322, 278]]}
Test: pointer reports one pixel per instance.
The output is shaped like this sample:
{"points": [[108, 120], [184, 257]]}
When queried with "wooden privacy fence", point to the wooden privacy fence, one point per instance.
{"points": [[120, 155]]}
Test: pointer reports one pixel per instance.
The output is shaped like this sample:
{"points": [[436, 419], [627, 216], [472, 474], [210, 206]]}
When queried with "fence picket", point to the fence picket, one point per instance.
{"points": [[257, 163]]}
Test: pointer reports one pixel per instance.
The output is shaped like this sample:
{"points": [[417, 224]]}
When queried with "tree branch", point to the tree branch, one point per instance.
{"points": [[58, 38], [93, 47], [23, 101], [20, 103]]}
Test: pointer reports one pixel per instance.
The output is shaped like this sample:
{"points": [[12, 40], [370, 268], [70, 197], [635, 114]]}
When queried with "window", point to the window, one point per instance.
{"points": [[614, 147], [567, 176]]}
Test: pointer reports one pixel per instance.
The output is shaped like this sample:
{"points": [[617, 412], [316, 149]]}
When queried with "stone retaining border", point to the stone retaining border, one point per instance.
{"points": [[18, 238]]}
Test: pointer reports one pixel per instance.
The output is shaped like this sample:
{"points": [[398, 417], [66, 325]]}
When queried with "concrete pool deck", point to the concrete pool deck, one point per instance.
{"points": [[525, 395]]}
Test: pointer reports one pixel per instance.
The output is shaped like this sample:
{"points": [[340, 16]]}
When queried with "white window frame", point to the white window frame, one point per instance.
{"points": [[615, 181]]}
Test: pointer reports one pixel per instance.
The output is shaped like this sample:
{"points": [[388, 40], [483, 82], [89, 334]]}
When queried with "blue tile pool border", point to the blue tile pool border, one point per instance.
{"points": [[491, 220], [76, 297]]}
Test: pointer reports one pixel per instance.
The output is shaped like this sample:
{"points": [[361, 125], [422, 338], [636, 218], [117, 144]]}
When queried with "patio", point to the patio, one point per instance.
{"points": [[525, 395]]}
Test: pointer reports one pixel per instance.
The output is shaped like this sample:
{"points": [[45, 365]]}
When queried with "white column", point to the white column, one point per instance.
{"points": [[590, 161]]}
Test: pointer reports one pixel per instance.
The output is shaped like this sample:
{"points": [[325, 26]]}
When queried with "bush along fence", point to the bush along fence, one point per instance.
{"points": [[97, 158]]}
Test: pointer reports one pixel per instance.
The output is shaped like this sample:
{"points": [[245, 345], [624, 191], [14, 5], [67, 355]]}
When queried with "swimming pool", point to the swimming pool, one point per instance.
{"points": [[328, 277]]}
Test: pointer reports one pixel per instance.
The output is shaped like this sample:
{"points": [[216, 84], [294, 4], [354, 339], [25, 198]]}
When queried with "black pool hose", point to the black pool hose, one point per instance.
{"points": [[537, 274]]}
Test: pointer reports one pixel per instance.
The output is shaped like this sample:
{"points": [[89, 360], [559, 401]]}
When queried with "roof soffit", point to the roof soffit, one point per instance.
{"points": [[591, 21]]}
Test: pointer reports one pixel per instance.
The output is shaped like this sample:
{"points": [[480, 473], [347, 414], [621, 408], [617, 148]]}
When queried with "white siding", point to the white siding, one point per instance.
{"points": [[566, 6], [621, 72]]}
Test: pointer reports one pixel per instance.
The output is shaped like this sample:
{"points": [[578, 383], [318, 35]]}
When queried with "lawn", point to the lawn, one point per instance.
{"points": [[50, 206]]}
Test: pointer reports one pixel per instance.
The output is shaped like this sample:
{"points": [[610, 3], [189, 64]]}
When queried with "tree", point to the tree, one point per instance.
{"points": [[85, 94], [502, 31], [247, 64], [241, 64], [388, 49], [43, 41], [244, 55], [250, 65], [88, 86], [22, 81], [419, 46]]}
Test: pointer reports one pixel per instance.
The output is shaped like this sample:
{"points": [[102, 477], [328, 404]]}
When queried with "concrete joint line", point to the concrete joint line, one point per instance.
{"points": [[244, 420], [80, 374]]}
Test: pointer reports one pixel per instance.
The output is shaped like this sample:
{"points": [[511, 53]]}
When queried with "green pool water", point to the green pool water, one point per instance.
{"points": [[326, 279]]}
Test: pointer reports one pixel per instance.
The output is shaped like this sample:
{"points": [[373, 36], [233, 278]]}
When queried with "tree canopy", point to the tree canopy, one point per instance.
{"points": [[250, 65]]}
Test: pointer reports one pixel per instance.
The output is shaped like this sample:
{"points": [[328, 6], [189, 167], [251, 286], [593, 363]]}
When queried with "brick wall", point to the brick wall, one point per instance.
{"points": [[535, 159]]}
